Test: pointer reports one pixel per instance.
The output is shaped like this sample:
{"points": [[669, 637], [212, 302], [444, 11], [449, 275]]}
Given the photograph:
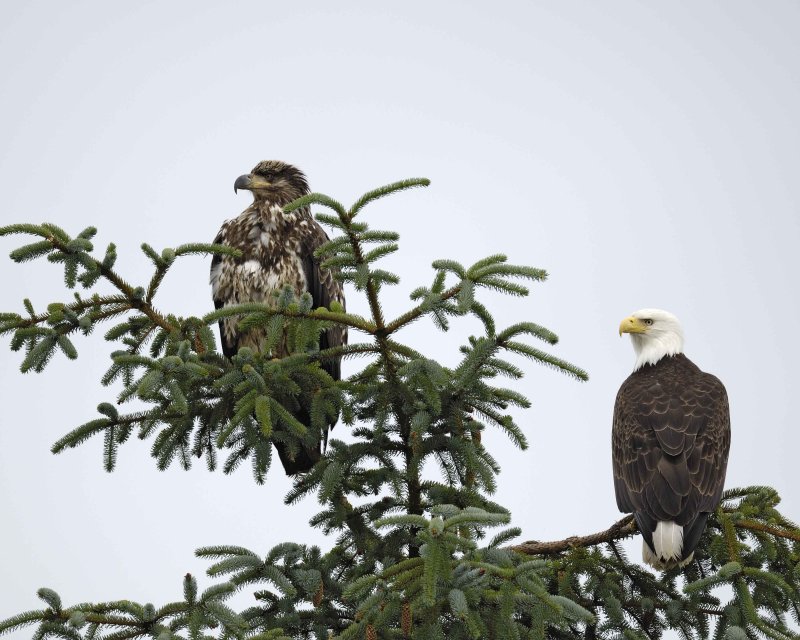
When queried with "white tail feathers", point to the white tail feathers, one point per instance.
{"points": [[651, 559], [668, 543], [668, 540]]}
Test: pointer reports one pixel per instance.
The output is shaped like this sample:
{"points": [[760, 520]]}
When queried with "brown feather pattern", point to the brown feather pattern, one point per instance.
{"points": [[670, 443], [277, 249]]}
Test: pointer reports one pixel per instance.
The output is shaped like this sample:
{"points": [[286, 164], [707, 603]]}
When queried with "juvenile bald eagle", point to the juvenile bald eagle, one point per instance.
{"points": [[670, 441], [277, 250]]}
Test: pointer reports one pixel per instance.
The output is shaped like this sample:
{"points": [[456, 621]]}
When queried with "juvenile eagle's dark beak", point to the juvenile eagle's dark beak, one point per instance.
{"points": [[242, 182]]}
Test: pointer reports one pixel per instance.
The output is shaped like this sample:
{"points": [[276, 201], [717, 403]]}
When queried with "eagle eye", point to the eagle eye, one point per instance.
{"points": [[648, 321]]}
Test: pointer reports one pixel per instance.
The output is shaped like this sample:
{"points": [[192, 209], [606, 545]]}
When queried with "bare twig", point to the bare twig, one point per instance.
{"points": [[623, 528]]}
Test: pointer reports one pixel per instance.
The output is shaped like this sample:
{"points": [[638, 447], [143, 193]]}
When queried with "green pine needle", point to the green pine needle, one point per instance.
{"points": [[382, 192]]}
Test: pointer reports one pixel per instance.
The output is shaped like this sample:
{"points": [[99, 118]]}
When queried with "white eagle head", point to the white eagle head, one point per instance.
{"points": [[654, 333]]}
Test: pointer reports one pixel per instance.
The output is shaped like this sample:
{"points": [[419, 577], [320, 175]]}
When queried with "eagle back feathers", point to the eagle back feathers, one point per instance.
{"points": [[670, 441]]}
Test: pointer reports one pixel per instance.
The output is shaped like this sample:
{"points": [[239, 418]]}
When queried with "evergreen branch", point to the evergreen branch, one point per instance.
{"points": [[491, 272], [346, 351], [75, 250], [93, 614], [21, 619], [155, 283], [80, 434], [751, 525], [30, 229], [545, 359], [381, 192], [75, 307], [320, 313], [316, 198], [126, 289], [371, 285], [420, 310], [403, 350], [529, 328], [204, 248]]}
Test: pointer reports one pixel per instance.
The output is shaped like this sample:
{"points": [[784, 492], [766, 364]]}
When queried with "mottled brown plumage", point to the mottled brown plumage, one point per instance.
{"points": [[277, 250], [670, 443]]}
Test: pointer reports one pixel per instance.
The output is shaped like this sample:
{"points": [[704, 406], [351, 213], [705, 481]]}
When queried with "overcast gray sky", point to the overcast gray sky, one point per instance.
{"points": [[645, 153]]}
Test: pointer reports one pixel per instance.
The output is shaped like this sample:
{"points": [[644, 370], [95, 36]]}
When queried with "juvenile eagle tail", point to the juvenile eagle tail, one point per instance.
{"points": [[304, 459]]}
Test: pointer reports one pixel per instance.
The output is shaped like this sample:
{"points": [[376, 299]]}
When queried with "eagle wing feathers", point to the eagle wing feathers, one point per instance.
{"points": [[670, 441], [324, 289]]}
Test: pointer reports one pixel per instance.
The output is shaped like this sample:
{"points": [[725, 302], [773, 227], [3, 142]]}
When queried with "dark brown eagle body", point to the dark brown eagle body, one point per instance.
{"points": [[277, 250], [670, 440]]}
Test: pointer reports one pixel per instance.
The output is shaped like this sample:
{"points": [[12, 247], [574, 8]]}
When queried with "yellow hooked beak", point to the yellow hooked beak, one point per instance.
{"points": [[632, 325]]}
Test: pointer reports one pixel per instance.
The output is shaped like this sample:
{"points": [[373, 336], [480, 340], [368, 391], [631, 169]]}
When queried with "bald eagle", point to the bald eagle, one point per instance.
{"points": [[277, 250], [670, 441]]}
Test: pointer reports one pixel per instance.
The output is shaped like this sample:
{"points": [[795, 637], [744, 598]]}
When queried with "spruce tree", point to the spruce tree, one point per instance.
{"points": [[409, 556]]}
